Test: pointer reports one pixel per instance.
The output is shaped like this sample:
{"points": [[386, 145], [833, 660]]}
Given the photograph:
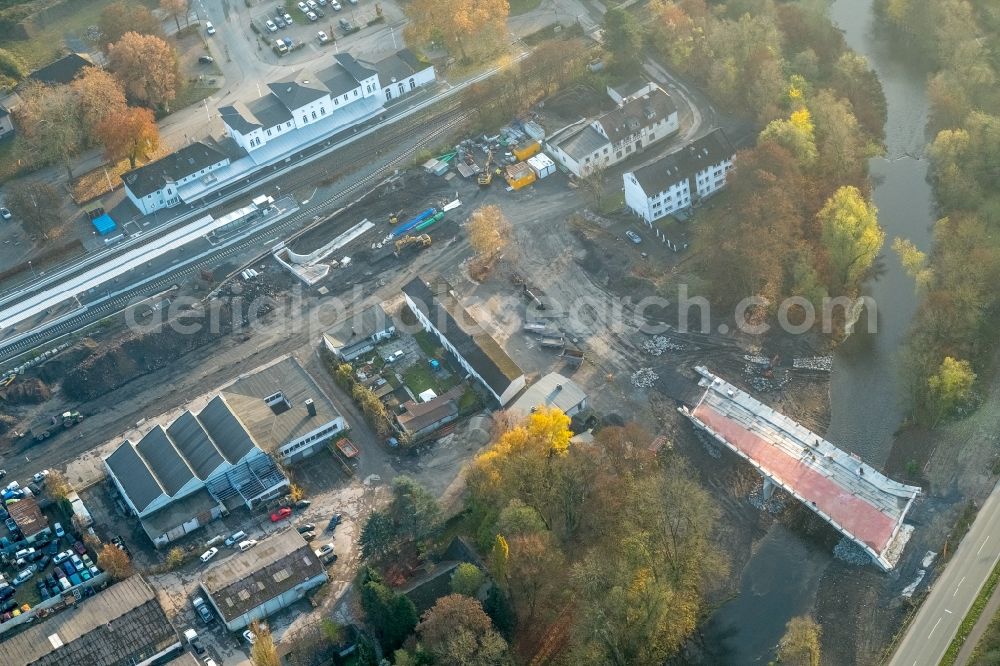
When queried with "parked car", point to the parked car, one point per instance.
{"points": [[39, 477], [308, 536], [11, 525], [209, 554], [311, 16], [332, 525], [336, 5], [345, 25], [303, 504], [303, 7], [206, 60], [330, 559], [5, 214], [281, 514], [311, 4], [44, 562], [53, 548], [288, 43], [634, 237], [247, 545], [62, 557], [79, 548], [280, 47], [23, 577], [235, 538], [77, 562], [58, 528], [203, 610], [271, 27], [319, 12], [209, 28], [325, 549], [307, 527], [288, 17], [249, 637], [322, 37], [280, 22]]}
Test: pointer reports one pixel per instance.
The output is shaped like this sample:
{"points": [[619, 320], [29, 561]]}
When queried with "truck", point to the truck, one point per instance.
{"points": [[45, 428], [191, 638]]}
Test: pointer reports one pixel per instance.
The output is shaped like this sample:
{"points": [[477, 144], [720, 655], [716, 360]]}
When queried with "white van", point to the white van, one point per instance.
{"points": [[247, 545]]}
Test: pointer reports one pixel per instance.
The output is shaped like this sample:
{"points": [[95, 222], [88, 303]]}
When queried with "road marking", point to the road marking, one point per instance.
{"points": [[948, 611], [958, 586], [984, 544], [934, 627]]}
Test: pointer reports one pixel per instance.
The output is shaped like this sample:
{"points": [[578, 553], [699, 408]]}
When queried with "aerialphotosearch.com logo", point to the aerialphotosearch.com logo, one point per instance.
{"points": [[297, 312]]}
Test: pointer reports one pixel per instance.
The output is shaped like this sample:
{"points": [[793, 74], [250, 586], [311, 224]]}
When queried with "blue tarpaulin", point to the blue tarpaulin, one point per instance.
{"points": [[104, 224]]}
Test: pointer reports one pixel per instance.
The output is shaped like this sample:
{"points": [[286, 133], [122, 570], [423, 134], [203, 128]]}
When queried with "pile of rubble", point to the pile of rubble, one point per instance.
{"points": [[659, 344], [851, 553], [773, 505], [818, 363], [644, 378]]}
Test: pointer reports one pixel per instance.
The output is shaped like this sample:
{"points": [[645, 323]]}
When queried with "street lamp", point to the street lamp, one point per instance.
{"points": [[32, 269]]}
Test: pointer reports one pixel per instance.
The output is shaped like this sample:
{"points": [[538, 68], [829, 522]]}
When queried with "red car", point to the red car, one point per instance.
{"points": [[281, 514], [79, 547]]}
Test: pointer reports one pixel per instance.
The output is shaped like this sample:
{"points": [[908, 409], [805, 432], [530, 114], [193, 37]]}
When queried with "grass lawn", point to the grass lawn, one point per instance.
{"points": [[988, 650], [48, 39], [419, 377], [9, 167], [430, 345], [522, 6], [190, 93]]}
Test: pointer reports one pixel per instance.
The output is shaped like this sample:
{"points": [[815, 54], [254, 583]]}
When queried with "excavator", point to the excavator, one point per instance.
{"points": [[408, 241], [486, 175]]}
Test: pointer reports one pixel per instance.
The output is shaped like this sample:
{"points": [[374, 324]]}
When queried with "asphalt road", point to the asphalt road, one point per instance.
{"points": [[951, 595]]}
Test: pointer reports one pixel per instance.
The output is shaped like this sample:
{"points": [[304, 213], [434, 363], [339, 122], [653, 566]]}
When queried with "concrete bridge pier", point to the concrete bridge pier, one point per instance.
{"points": [[768, 489]]}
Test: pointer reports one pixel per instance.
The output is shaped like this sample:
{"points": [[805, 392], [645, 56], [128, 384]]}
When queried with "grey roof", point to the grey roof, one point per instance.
{"points": [[195, 444], [61, 71], [636, 113], [417, 416], [246, 580], [353, 67], [581, 143], [678, 166], [178, 512], [3, 111], [160, 464], [165, 461], [358, 327], [294, 95], [398, 66], [226, 430], [188, 160], [552, 390], [266, 111], [476, 346], [336, 79], [630, 87], [135, 477], [246, 398], [123, 624]]}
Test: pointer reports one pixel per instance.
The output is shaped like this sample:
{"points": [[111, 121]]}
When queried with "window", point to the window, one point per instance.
{"points": [[355, 92], [619, 154], [652, 137], [289, 124], [322, 110], [388, 94], [413, 84], [606, 149], [345, 97], [314, 115], [402, 89], [269, 132], [336, 101], [304, 120], [628, 149]]}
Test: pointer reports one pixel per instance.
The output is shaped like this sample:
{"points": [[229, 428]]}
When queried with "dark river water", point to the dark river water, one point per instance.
{"points": [[781, 579]]}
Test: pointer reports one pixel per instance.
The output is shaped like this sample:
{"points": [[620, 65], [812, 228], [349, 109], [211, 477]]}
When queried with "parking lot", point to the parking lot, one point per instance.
{"points": [[54, 562], [288, 27]]}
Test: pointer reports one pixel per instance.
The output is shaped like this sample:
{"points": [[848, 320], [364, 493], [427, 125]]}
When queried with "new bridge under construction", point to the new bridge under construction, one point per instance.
{"points": [[861, 503]]}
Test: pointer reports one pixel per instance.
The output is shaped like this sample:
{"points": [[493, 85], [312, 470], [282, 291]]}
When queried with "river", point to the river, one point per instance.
{"points": [[867, 401]]}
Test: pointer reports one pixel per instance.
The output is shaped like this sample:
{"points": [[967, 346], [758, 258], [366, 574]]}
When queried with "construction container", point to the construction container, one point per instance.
{"points": [[527, 151], [519, 175], [542, 165], [534, 130]]}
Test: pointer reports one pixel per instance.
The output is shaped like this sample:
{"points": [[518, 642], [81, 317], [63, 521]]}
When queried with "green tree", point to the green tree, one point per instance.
{"points": [[378, 536], [467, 579], [623, 38], [950, 387], [519, 519], [392, 617], [800, 644], [851, 236], [413, 510], [457, 632], [796, 135], [914, 262]]}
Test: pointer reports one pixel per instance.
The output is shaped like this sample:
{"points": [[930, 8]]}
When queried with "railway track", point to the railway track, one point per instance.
{"points": [[447, 119]]}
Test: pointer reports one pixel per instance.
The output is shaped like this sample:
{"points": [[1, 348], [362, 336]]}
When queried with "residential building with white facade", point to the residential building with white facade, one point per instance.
{"points": [[681, 179], [437, 309], [639, 121], [157, 185]]}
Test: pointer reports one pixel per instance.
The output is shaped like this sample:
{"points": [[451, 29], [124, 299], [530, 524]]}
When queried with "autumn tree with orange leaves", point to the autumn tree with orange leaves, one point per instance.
{"points": [[131, 134], [99, 95], [147, 67], [470, 27]]}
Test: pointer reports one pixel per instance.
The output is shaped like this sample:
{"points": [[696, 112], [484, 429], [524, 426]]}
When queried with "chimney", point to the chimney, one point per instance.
{"points": [[311, 407]]}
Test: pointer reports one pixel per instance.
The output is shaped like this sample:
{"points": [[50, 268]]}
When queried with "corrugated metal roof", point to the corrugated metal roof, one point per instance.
{"points": [[123, 624], [134, 476], [165, 461], [552, 390], [195, 444], [226, 430]]}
